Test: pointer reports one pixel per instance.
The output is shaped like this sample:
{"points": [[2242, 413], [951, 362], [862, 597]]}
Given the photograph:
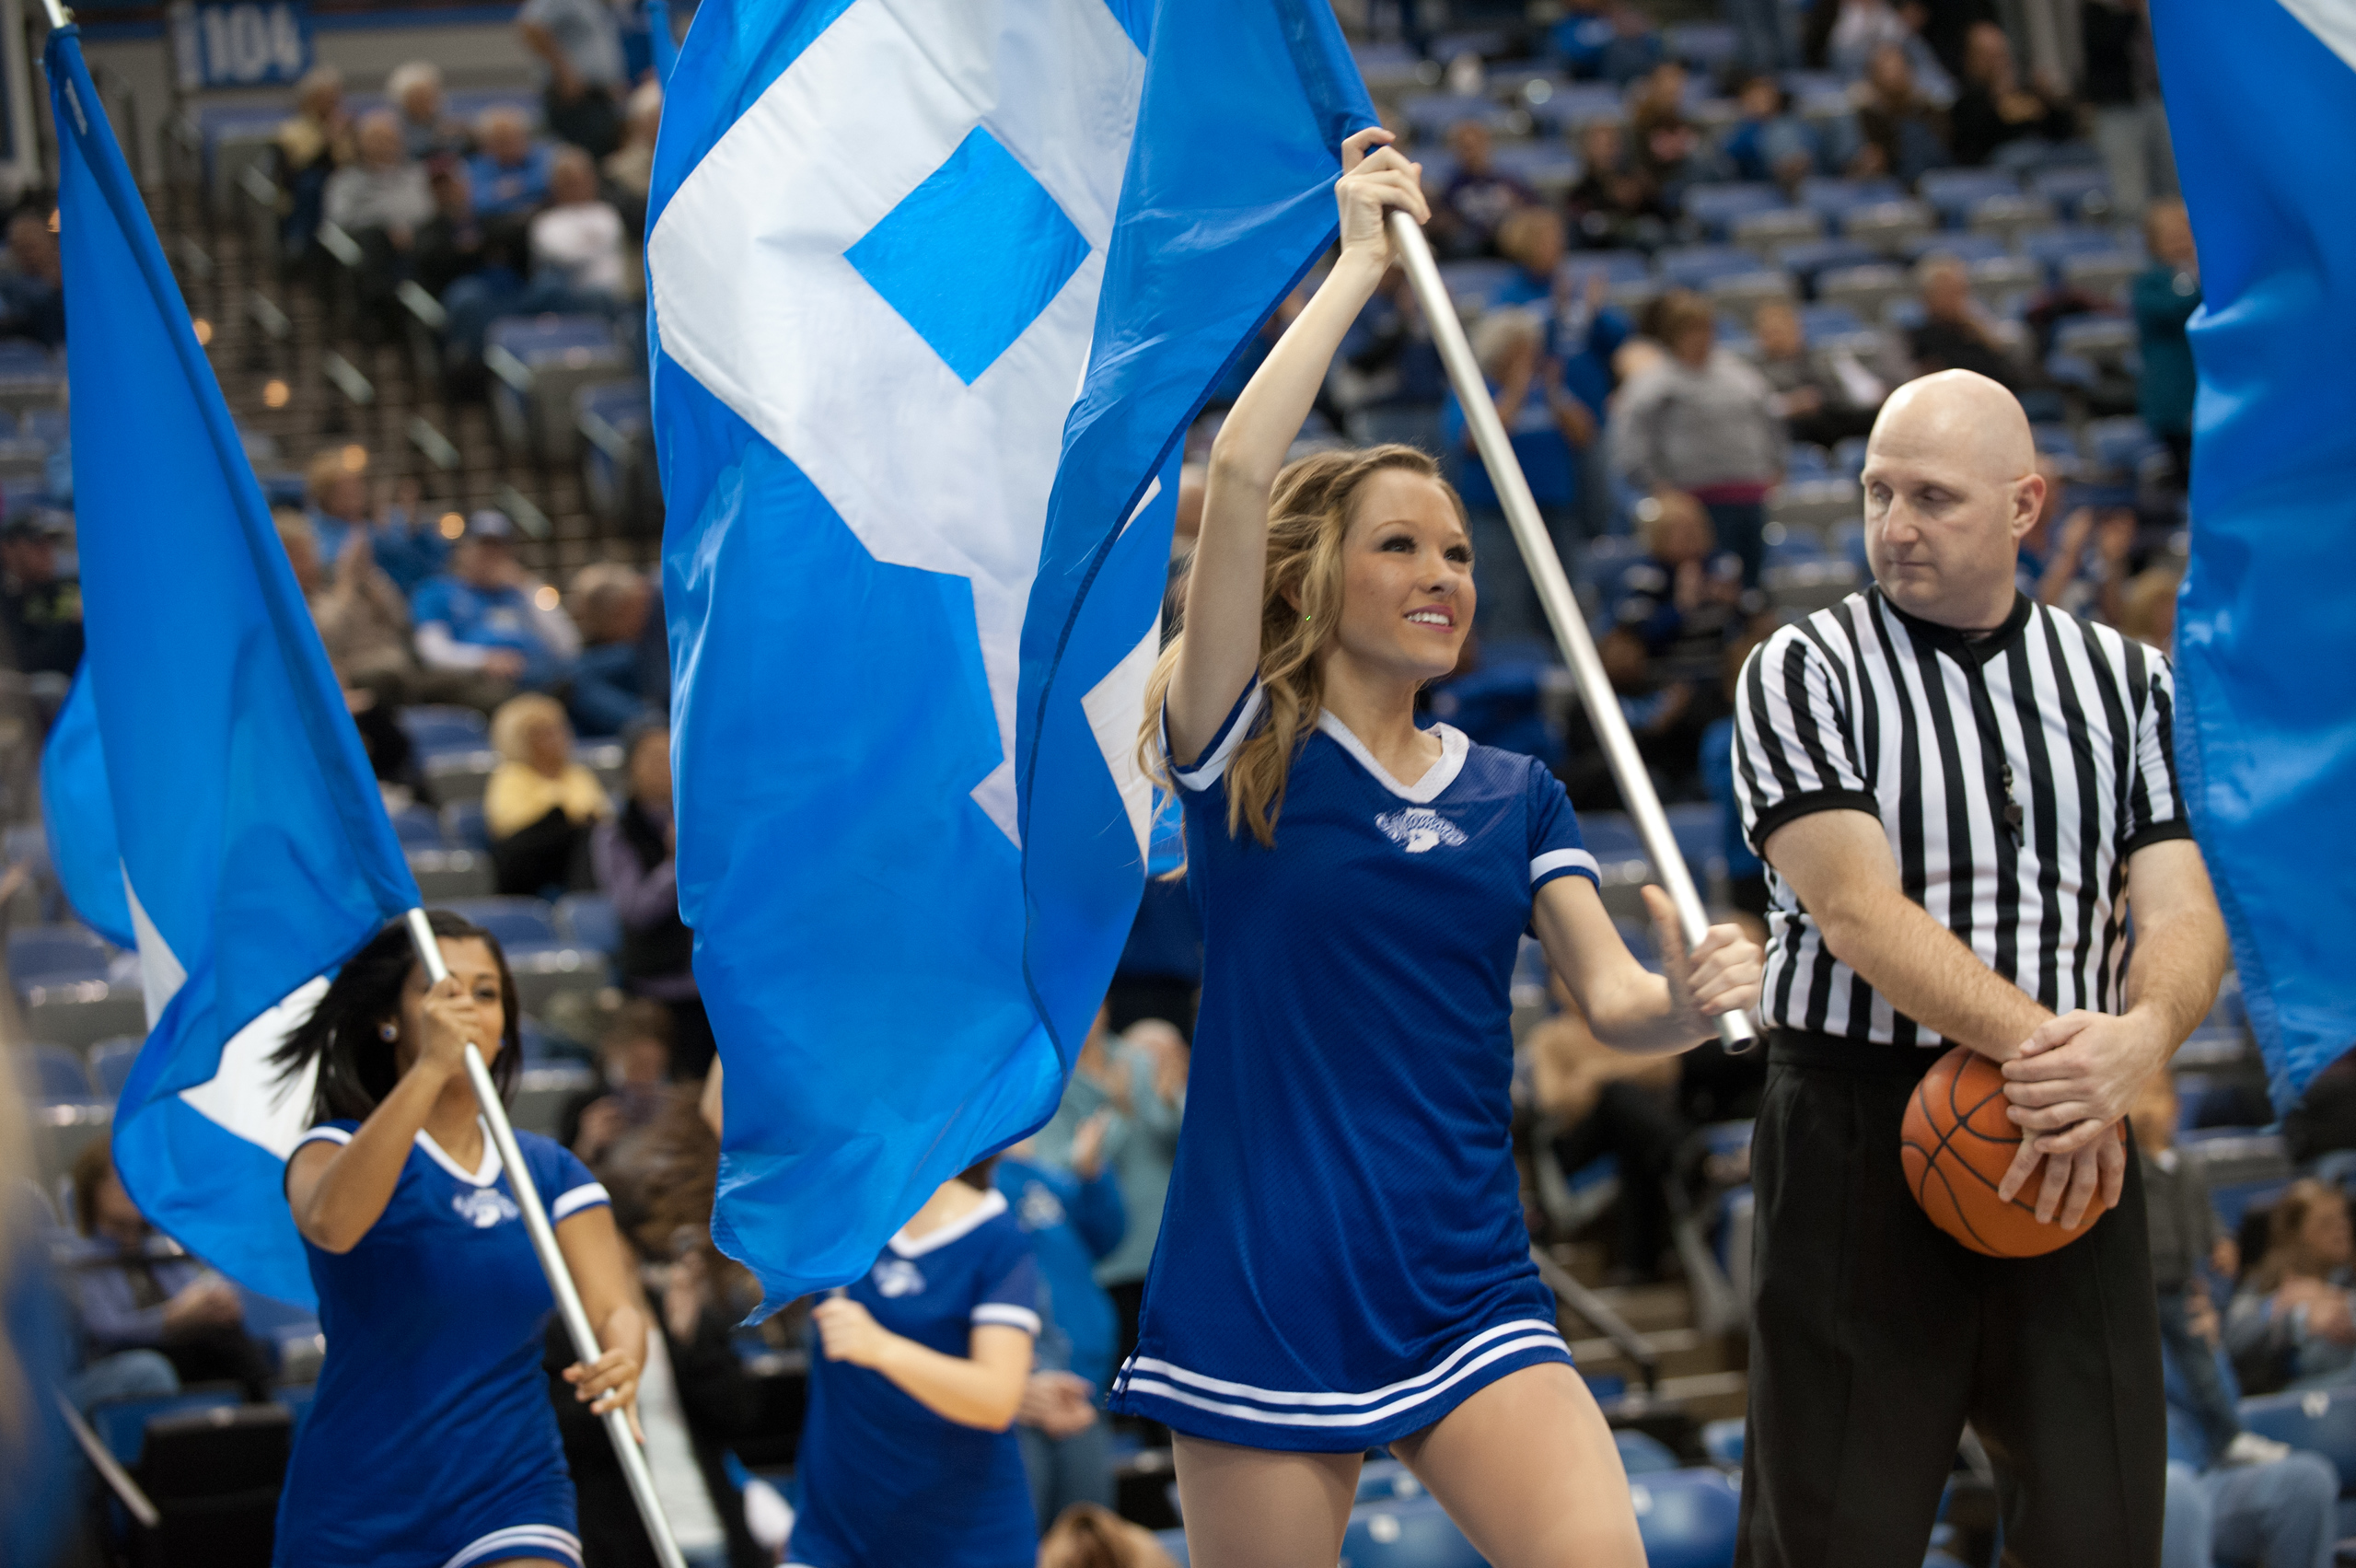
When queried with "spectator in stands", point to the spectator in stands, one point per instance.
{"points": [[634, 1058], [1615, 206], [2275, 1514], [1607, 39], [1745, 876], [1760, 44], [1676, 156], [1770, 141], [488, 613], [1821, 398], [1703, 422], [612, 605], [2186, 1236], [2291, 1323], [456, 242], [135, 1290], [2086, 570], [695, 1399], [32, 292], [1901, 132], [540, 802], [2166, 294], [308, 146], [40, 608], [1995, 108], [1599, 1101], [1478, 195], [509, 174], [1859, 29], [628, 169], [633, 852], [576, 242], [2123, 89], [1075, 1217], [1685, 598], [428, 130], [1954, 334], [405, 544], [1084, 1536], [381, 199], [361, 618], [2147, 609], [579, 44], [1549, 427]]}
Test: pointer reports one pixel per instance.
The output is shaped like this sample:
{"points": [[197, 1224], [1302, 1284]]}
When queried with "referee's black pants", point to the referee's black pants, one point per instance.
{"points": [[1875, 1338]]}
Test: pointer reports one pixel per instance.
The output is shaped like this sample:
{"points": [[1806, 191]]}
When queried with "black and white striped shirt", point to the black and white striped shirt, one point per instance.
{"points": [[2014, 773]]}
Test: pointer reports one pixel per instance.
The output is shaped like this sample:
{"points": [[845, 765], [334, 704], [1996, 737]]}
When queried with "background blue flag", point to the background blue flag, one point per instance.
{"points": [[253, 844], [2266, 640], [936, 288], [78, 810]]}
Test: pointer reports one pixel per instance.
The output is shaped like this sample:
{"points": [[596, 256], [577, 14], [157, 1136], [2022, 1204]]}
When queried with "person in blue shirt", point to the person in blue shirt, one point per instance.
{"points": [[510, 174], [1074, 1216], [908, 1458], [335, 490], [2263, 1503], [1343, 1261], [432, 1442], [489, 615]]}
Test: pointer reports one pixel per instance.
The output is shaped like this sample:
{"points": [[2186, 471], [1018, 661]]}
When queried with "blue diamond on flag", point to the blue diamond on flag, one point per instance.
{"points": [[971, 256]]}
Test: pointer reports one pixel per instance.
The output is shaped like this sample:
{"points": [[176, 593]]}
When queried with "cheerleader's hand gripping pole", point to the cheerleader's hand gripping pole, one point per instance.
{"points": [[552, 1259], [1554, 591]]}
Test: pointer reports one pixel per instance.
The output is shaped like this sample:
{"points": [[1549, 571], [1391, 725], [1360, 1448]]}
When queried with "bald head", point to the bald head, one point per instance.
{"points": [[1951, 486]]}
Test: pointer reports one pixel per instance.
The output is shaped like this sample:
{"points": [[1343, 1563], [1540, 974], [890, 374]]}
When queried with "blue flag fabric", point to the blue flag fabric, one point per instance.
{"points": [[2262, 101], [254, 848], [936, 288], [78, 810]]}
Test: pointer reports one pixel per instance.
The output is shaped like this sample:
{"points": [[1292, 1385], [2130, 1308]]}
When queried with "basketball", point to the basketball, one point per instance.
{"points": [[1956, 1146]]}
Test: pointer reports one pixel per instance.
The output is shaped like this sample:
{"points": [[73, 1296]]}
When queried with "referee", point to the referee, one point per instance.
{"points": [[1957, 793]]}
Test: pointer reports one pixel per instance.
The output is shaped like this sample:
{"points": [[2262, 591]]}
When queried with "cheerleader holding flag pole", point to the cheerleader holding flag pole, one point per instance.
{"points": [[1343, 1262]]}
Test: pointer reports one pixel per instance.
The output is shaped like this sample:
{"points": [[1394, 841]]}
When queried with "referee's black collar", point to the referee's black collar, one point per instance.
{"points": [[1959, 644]]}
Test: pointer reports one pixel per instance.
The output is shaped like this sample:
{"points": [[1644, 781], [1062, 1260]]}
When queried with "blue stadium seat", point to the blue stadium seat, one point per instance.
{"points": [[1641, 1453], [1611, 835], [462, 825], [2051, 247], [2233, 1200], [111, 1063], [2081, 192], [1540, 165], [1569, 108], [1848, 543], [589, 921], [49, 425], [1723, 1441], [2119, 446], [52, 1076], [1832, 198], [1687, 1517], [2322, 1421], [1616, 267], [1408, 1532], [1965, 248], [1954, 192], [1716, 208], [1432, 114], [1475, 280], [56, 954], [417, 827], [1699, 828], [121, 1424], [1698, 266], [435, 730], [514, 921], [1706, 46], [1383, 1479], [1793, 547], [1829, 321]]}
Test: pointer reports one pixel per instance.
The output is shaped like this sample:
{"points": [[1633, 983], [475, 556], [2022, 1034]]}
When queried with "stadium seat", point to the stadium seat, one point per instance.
{"points": [[1567, 109], [544, 1088], [2120, 445], [2052, 248], [52, 1077], [1833, 199], [514, 921], [417, 827], [1829, 321], [1708, 47], [588, 919], [1475, 282], [1408, 1532], [1548, 167], [2322, 1421], [2232, 1199], [1699, 828], [1687, 1517], [1431, 115], [546, 971], [1611, 836], [1815, 506], [2081, 192], [1954, 192], [1744, 293], [1886, 227], [1788, 547], [618, 456], [121, 1424], [454, 776], [2007, 217], [1698, 266], [110, 1064], [1715, 207], [1723, 1441], [56, 954], [445, 874], [2107, 274], [1615, 267], [1867, 290], [1383, 1479], [1809, 262], [462, 825], [538, 363], [435, 730], [1964, 248], [1641, 1453]]}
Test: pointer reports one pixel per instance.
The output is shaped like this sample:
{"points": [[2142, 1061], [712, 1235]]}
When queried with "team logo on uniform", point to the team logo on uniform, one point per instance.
{"points": [[1418, 829], [483, 1207], [1041, 1208], [897, 1276]]}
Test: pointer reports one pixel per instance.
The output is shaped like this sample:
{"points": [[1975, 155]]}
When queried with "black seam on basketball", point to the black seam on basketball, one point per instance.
{"points": [[1962, 1216], [1946, 1137]]}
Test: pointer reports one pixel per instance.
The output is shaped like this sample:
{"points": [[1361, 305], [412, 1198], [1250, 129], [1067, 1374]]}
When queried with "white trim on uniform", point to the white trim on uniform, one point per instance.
{"points": [[1564, 859], [320, 1135], [483, 1175], [1007, 1315], [993, 1205], [519, 1540], [585, 1196], [1514, 1337], [1208, 770], [1453, 748]]}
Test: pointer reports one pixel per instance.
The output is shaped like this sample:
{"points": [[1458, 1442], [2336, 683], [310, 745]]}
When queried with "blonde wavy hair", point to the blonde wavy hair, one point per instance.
{"points": [[1308, 516]]}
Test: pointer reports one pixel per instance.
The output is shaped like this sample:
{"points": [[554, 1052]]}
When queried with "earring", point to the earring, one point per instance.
{"points": [[387, 1032], [1306, 618]]}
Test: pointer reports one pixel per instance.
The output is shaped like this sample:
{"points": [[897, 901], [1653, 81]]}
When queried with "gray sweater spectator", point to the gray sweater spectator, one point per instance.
{"points": [[1702, 420], [385, 190]]}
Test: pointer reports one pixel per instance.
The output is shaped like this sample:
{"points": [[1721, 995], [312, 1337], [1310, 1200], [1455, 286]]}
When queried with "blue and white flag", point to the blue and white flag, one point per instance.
{"points": [[254, 850], [937, 286], [78, 810], [2262, 101]]}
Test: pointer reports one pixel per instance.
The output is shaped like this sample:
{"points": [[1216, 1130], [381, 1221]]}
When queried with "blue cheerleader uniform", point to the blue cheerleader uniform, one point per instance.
{"points": [[431, 1443], [1344, 1259]]}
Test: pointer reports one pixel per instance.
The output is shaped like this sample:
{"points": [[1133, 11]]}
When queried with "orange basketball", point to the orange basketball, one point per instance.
{"points": [[1957, 1146]]}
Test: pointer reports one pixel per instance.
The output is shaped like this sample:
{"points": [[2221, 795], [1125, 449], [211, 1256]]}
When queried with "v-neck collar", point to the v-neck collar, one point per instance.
{"points": [[483, 1175], [1957, 644], [1437, 777]]}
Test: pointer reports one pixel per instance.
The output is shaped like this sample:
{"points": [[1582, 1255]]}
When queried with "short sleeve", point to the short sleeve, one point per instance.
{"points": [[1794, 754], [1013, 1296], [2154, 810], [566, 1184], [1556, 849], [1208, 769]]}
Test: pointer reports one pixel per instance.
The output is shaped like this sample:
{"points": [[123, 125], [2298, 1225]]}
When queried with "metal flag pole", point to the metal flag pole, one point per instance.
{"points": [[1734, 1029], [551, 1261]]}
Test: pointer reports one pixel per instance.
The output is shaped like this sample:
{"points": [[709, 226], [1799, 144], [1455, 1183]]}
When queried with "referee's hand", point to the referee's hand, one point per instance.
{"points": [[2072, 1084]]}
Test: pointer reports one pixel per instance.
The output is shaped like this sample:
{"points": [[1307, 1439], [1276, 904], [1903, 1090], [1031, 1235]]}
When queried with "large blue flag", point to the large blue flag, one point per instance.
{"points": [[77, 809], [2262, 101], [255, 853], [936, 288]]}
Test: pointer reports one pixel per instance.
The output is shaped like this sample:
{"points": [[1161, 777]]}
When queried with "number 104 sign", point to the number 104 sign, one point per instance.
{"points": [[245, 44]]}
